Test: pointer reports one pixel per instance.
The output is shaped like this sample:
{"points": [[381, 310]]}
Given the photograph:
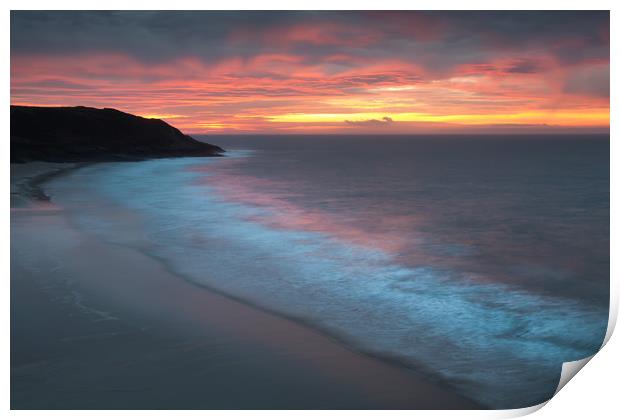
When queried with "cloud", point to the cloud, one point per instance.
{"points": [[589, 80], [225, 69], [524, 66], [435, 40], [373, 122]]}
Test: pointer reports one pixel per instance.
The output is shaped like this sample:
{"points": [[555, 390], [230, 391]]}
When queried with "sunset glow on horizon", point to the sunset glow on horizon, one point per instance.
{"points": [[322, 72]]}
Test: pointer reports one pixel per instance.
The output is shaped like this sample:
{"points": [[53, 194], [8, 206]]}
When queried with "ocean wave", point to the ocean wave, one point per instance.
{"points": [[500, 345]]}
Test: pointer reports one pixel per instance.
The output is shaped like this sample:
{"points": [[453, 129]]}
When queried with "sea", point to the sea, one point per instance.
{"points": [[479, 261]]}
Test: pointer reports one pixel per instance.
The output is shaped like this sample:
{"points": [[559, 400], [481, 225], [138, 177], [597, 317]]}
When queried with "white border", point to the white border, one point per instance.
{"points": [[592, 394]]}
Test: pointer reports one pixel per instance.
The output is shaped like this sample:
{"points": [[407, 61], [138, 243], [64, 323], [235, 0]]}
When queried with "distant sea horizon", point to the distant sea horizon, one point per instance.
{"points": [[566, 131]]}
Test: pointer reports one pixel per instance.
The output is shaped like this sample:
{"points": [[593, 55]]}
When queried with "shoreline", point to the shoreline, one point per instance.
{"points": [[149, 308], [28, 185]]}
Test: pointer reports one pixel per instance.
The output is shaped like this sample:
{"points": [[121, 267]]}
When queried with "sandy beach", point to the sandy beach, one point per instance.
{"points": [[102, 326]]}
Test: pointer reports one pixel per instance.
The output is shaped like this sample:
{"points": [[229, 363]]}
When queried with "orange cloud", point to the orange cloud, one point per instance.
{"points": [[284, 92]]}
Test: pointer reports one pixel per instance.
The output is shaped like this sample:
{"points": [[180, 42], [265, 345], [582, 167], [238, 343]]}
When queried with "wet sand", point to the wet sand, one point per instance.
{"points": [[102, 326]]}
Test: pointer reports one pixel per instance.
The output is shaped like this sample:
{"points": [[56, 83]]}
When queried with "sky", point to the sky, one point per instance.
{"points": [[322, 72]]}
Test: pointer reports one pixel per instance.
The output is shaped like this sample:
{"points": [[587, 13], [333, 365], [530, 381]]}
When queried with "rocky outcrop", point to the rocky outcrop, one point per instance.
{"points": [[82, 134]]}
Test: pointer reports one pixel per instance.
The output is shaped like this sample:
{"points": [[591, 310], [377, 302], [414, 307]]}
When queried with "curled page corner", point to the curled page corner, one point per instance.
{"points": [[518, 412], [613, 317], [569, 370]]}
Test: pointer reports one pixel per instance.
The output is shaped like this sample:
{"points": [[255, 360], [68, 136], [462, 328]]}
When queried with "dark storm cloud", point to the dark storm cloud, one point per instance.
{"points": [[436, 39], [524, 66], [142, 34]]}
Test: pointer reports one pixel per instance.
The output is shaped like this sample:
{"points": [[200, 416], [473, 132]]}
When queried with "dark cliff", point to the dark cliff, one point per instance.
{"points": [[74, 134]]}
